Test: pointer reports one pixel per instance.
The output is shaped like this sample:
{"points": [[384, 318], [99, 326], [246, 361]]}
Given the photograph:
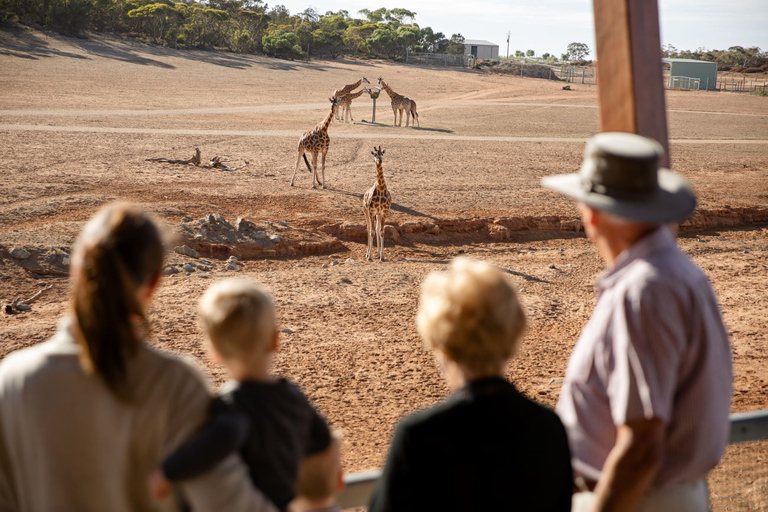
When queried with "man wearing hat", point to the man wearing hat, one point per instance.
{"points": [[647, 391]]}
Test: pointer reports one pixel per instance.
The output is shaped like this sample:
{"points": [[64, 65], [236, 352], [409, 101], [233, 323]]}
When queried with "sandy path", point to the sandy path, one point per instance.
{"points": [[270, 133]]}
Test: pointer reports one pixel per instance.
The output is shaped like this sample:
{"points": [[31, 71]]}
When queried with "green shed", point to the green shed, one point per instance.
{"points": [[685, 73]]}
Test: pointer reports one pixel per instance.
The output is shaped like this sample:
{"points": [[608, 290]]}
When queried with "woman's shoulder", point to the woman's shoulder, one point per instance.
{"points": [[171, 367]]}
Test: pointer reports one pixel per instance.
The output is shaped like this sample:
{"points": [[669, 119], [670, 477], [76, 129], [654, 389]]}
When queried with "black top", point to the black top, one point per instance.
{"points": [[271, 424], [486, 448]]}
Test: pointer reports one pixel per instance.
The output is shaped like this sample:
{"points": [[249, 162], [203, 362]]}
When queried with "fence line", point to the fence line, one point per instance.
{"points": [[438, 59], [739, 482]]}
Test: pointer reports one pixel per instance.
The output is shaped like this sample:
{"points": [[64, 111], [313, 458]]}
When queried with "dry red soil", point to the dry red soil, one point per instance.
{"points": [[78, 118]]}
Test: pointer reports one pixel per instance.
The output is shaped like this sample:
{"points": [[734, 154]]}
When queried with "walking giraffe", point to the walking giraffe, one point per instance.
{"points": [[376, 203], [314, 142], [349, 88], [344, 106], [400, 104]]}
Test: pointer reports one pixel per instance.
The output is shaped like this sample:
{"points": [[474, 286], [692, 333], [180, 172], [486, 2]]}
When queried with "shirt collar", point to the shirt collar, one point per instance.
{"points": [[657, 239]]}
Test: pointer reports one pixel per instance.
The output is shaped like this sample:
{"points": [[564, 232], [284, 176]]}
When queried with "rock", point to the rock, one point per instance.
{"points": [[219, 218], [9, 310], [232, 259], [349, 260], [204, 275], [345, 280], [552, 265], [244, 224], [499, 232], [23, 307], [556, 380], [522, 289], [232, 266], [199, 237], [285, 330], [391, 233], [334, 263], [170, 270], [275, 238], [18, 253], [187, 251], [209, 218], [333, 256], [460, 251], [325, 265], [283, 223], [186, 219], [188, 267]]}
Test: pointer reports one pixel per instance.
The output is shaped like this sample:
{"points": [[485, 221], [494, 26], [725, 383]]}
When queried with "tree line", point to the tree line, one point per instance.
{"points": [[246, 26], [735, 58]]}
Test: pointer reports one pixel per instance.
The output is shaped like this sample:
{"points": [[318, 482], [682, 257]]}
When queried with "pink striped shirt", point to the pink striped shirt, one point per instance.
{"points": [[655, 347]]}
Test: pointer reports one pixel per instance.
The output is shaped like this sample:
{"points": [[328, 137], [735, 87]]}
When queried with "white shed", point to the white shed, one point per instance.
{"points": [[481, 49]]}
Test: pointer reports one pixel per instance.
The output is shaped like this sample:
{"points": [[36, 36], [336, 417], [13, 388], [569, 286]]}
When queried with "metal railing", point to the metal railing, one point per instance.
{"points": [[746, 427], [684, 82]]}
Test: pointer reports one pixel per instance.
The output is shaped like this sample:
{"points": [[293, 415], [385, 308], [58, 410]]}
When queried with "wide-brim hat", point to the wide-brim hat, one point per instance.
{"points": [[621, 175]]}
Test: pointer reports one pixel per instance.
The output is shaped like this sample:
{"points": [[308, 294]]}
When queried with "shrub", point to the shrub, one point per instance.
{"points": [[282, 44]]}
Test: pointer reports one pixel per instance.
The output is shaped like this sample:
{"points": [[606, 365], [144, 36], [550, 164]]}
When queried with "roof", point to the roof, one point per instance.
{"points": [[689, 60], [479, 42]]}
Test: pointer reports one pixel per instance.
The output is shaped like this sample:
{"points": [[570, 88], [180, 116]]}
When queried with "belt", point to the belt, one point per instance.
{"points": [[581, 484]]}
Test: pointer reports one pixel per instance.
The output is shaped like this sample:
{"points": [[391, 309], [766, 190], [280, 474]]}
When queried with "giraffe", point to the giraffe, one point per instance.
{"points": [[349, 88], [376, 203], [315, 141], [414, 114], [345, 104], [399, 103]]}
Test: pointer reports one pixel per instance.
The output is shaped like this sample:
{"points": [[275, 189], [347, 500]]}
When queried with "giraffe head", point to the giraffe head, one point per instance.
{"points": [[378, 154], [365, 80], [334, 103], [381, 81]]}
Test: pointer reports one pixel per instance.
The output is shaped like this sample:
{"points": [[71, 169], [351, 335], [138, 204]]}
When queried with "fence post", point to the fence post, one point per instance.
{"points": [[406, 55], [582, 75], [707, 83]]}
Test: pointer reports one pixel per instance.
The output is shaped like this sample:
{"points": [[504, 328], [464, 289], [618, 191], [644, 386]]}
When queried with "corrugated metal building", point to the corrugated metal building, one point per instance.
{"points": [[705, 71], [481, 49]]}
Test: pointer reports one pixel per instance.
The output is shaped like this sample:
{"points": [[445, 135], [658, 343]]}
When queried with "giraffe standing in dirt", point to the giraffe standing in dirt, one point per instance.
{"points": [[414, 114], [315, 142], [345, 105], [399, 104], [349, 88], [376, 203]]}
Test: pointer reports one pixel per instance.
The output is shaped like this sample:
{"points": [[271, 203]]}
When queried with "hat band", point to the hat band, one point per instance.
{"points": [[591, 186]]}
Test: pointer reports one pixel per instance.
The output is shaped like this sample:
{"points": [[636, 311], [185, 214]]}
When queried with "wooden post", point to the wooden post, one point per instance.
{"points": [[629, 69], [373, 116]]}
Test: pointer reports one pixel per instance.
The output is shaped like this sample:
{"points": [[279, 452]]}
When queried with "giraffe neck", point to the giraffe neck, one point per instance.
{"points": [[357, 94], [380, 185], [388, 89], [326, 121]]}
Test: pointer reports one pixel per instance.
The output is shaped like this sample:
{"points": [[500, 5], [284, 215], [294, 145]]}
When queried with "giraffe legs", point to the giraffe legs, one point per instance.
{"points": [[380, 235], [407, 117], [298, 161], [325, 152], [369, 224], [314, 173]]}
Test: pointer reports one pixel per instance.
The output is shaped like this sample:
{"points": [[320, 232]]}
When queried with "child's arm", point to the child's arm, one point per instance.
{"points": [[223, 433]]}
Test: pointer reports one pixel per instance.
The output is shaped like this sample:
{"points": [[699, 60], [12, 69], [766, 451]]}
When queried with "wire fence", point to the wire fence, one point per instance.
{"points": [[684, 82], [439, 59]]}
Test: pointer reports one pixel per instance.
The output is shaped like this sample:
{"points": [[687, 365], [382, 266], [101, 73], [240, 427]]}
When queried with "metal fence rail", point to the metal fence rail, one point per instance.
{"points": [[739, 482]]}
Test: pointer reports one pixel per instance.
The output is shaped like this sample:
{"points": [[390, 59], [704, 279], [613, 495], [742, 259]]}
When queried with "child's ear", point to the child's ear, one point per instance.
{"points": [[340, 484], [213, 354], [276, 341]]}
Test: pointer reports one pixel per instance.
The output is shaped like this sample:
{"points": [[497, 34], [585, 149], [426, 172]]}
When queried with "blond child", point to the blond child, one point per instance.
{"points": [[320, 479], [266, 419]]}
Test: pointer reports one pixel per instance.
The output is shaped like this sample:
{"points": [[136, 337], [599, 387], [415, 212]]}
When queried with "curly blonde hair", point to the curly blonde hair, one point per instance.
{"points": [[471, 314], [238, 317]]}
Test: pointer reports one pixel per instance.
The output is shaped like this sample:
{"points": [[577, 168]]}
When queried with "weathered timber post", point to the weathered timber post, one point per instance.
{"points": [[631, 91], [374, 92]]}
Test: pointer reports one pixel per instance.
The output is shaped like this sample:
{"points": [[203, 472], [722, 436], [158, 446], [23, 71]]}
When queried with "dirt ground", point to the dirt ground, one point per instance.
{"points": [[78, 118]]}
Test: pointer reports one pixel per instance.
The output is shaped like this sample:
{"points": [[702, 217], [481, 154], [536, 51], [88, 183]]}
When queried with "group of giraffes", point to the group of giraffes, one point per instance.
{"points": [[377, 200]]}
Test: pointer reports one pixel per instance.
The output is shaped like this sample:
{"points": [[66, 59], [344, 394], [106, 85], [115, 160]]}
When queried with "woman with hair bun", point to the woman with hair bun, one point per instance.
{"points": [[87, 415], [487, 447]]}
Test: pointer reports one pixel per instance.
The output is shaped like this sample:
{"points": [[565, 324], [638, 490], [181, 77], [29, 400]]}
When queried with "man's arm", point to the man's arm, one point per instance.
{"points": [[631, 465]]}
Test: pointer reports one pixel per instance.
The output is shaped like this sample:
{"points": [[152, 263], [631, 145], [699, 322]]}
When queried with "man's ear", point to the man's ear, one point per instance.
{"points": [[340, 483], [589, 215], [275, 341]]}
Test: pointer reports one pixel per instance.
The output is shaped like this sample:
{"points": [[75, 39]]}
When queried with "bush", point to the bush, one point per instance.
{"points": [[70, 16], [284, 45]]}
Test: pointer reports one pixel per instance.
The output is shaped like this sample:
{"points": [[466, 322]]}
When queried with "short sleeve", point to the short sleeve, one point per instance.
{"points": [[319, 433], [646, 339]]}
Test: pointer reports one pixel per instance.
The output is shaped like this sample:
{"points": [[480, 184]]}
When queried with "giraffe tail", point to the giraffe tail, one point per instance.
{"points": [[309, 167]]}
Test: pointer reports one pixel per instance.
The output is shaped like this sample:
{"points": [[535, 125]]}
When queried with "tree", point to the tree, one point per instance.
{"points": [[456, 45], [519, 53], [577, 51], [545, 55], [530, 53]]}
